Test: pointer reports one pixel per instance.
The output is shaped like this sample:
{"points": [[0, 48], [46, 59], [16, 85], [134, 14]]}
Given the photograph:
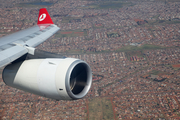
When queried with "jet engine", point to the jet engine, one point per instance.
{"points": [[60, 79]]}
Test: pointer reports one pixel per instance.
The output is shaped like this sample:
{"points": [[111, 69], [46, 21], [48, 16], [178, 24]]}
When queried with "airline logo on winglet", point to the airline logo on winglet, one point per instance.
{"points": [[44, 17]]}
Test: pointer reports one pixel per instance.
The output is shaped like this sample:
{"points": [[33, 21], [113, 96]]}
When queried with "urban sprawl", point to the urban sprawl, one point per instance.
{"points": [[133, 48]]}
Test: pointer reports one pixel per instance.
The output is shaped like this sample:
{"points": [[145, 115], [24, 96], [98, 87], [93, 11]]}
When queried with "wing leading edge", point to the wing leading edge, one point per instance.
{"points": [[15, 45]]}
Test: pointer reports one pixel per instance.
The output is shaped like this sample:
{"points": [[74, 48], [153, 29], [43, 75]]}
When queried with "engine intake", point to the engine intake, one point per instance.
{"points": [[78, 80]]}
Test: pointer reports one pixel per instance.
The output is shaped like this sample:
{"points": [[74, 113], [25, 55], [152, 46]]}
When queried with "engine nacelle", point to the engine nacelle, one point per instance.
{"points": [[60, 79]]}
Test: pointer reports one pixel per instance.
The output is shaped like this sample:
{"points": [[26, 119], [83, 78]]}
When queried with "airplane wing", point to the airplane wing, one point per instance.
{"points": [[15, 45], [39, 72]]}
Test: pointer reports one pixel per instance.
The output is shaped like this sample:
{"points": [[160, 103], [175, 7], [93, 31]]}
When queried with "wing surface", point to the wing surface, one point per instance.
{"points": [[14, 46]]}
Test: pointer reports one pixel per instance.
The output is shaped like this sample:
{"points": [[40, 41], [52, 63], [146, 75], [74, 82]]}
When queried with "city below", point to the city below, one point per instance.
{"points": [[132, 47]]}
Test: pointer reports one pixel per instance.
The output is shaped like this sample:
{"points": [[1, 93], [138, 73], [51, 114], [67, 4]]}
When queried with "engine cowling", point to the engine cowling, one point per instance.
{"points": [[60, 79]]}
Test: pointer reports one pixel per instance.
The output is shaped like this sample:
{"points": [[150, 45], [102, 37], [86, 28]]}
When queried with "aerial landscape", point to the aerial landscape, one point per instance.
{"points": [[132, 47]]}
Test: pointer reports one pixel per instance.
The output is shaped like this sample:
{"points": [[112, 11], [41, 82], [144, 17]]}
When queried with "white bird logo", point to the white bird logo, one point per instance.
{"points": [[42, 17]]}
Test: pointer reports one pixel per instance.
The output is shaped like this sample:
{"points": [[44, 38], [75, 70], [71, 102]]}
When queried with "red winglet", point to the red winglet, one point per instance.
{"points": [[44, 17]]}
